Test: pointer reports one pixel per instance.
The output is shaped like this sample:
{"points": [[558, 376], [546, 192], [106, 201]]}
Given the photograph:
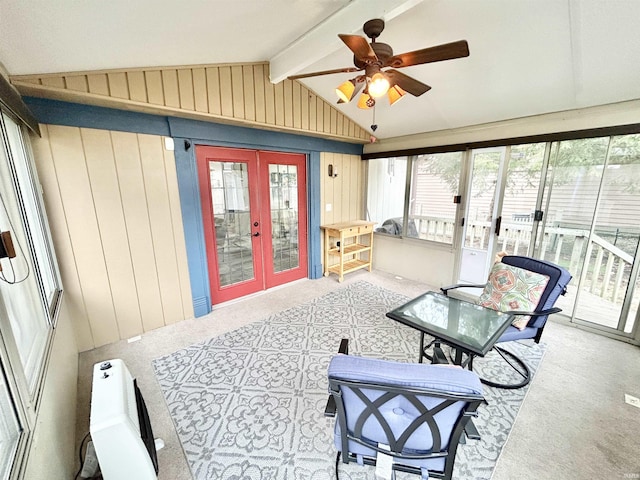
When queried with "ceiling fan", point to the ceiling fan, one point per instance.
{"points": [[374, 59]]}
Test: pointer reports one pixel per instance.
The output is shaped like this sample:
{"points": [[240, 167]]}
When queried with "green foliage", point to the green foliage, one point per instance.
{"points": [[568, 160]]}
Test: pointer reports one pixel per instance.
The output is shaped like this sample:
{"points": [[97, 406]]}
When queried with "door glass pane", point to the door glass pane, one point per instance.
{"points": [[232, 221], [18, 284], [386, 181], [519, 201], [283, 190], [615, 238], [435, 180], [478, 233], [484, 179], [571, 192]]}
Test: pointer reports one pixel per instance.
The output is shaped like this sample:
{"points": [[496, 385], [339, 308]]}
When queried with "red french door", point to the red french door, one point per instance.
{"points": [[255, 219]]}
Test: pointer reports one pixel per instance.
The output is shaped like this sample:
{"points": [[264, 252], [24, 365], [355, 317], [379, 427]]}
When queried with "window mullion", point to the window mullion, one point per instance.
{"points": [[407, 196]]}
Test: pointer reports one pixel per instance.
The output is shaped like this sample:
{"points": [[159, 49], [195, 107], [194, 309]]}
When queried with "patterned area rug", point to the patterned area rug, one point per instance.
{"points": [[249, 404]]}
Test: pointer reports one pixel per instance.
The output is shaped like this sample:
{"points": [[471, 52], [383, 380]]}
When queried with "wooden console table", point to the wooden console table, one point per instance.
{"points": [[347, 240]]}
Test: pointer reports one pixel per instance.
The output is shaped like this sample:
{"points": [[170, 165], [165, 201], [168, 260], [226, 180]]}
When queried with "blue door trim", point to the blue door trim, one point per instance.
{"points": [[314, 240], [186, 134]]}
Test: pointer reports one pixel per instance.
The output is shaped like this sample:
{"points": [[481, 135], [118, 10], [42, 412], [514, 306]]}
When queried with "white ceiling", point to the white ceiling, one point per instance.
{"points": [[527, 57]]}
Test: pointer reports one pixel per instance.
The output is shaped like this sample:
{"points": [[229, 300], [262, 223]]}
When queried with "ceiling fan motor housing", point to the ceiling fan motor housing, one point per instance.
{"points": [[382, 51], [373, 28]]}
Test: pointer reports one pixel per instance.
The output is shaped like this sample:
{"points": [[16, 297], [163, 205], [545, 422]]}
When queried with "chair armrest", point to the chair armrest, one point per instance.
{"points": [[330, 408], [462, 285], [548, 311]]}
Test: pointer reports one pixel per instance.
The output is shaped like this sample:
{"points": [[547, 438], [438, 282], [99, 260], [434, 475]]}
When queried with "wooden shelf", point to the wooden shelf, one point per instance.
{"points": [[350, 251], [349, 266]]}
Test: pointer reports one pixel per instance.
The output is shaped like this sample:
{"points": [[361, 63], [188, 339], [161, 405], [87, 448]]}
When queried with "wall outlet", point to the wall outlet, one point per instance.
{"points": [[631, 400], [327, 207]]}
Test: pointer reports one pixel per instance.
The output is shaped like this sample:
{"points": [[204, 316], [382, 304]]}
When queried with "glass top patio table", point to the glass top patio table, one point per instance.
{"points": [[470, 327]]}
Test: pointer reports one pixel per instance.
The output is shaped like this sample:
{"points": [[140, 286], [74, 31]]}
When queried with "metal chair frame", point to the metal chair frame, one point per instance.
{"points": [[511, 358], [397, 443]]}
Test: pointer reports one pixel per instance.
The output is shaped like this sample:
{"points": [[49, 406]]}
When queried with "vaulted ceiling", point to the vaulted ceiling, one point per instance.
{"points": [[526, 57]]}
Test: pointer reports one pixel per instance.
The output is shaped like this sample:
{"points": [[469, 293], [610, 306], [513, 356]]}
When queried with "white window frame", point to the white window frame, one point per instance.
{"points": [[24, 394], [408, 182]]}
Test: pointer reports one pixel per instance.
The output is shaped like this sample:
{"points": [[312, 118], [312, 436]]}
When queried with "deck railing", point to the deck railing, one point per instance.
{"points": [[608, 267]]}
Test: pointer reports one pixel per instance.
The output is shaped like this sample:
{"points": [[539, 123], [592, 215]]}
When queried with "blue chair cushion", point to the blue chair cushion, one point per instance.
{"points": [[513, 333], [441, 378], [398, 411]]}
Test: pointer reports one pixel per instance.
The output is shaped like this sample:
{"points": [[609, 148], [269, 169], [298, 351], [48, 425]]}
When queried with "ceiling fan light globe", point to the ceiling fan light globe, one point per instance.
{"points": [[395, 93], [364, 101], [378, 85], [345, 91]]}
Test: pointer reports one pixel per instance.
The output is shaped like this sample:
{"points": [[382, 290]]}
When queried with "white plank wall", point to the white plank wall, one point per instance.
{"points": [[238, 92], [113, 205]]}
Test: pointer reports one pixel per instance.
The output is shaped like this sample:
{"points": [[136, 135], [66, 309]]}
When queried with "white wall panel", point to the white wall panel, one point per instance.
{"points": [[113, 204], [160, 222], [136, 216], [344, 192], [82, 224], [113, 230], [73, 295]]}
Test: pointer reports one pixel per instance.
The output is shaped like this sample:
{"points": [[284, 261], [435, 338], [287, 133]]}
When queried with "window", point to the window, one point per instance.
{"points": [[387, 179], [434, 181], [36, 221], [30, 292]]}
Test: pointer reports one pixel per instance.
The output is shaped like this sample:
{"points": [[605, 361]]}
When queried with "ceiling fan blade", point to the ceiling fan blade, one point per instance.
{"points": [[405, 82], [360, 47], [325, 72], [446, 51]]}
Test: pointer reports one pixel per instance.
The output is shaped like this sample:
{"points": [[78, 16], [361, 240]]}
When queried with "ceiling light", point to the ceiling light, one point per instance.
{"points": [[395, 93], [348, 90], [378, 85], [365, 101]]}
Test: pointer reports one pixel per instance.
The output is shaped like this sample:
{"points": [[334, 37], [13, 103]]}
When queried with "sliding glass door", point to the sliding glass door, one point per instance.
{"points": [[520, 201], [502, 201], [592, 227], [482, 214], [575, 203]]}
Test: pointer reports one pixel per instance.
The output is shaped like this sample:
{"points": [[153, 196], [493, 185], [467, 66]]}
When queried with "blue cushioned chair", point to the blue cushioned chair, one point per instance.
{"points": [[556, 286], [407, 416]]}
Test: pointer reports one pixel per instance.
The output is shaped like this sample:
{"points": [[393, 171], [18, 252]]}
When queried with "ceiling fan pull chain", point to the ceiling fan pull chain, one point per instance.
{"points": [[374, 127]]}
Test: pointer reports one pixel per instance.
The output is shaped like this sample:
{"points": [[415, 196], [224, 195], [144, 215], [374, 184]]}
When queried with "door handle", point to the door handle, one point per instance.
{"points": [[498, 223]]}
